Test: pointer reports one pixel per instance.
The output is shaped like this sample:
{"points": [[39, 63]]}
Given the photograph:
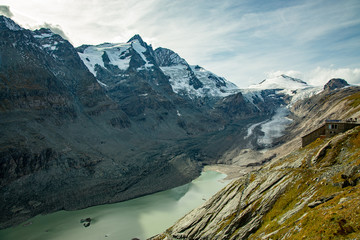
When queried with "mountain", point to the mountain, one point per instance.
{"points": [[307, 193], [281, 82], [335, 83], [185, 80], [192, 81], [101, 124]]}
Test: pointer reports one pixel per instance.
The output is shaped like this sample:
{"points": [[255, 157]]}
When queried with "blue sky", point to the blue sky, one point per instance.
{"points": [[242, 40]]}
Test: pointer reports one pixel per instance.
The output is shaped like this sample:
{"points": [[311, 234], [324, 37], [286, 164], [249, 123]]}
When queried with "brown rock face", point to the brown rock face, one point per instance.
{"points": [[335, 83]]}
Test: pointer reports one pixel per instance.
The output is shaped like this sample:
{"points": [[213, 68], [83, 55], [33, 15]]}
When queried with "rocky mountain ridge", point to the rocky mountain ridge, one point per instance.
{"points": [[185, 80]]}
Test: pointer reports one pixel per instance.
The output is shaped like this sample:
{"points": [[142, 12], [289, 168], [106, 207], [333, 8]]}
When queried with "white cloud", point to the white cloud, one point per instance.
{"points": [[54, 28], [5, 10], [290, 73], [321, 76]]}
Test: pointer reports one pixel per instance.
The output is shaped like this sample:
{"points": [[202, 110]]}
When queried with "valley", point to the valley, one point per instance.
{"points": [[101, 124], [71, 139]]}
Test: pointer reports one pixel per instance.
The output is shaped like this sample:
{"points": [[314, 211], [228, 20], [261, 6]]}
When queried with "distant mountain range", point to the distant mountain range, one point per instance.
{"points": [[106, 123], [281, 82], [135, 55]]}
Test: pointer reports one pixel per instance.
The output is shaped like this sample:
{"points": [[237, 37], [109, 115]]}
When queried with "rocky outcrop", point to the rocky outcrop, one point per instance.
{"points": [[335, 83], [285, 199]]}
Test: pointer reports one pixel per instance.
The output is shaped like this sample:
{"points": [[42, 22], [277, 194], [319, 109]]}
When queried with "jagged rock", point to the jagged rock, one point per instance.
{"points": [[321, 153], [335, 83], [351, 176], [314, 204]]}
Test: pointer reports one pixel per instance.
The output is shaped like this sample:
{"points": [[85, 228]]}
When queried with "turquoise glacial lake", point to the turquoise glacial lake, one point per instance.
{"points": [[137, 218]]}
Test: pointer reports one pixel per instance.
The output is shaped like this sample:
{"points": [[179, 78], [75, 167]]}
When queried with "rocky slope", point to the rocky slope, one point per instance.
{"points": [[307, 114], [102, 124], [311, 193]]}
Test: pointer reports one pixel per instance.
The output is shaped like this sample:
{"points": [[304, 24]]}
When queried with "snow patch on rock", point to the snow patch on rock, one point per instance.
{"points": [[92, 56]]}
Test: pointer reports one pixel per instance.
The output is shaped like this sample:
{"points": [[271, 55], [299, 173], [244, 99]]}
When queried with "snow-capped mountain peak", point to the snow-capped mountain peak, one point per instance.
{"points": [[137, 38], [296, 88], [281, 82], [185, 80], [191, 81], [115, 54]]}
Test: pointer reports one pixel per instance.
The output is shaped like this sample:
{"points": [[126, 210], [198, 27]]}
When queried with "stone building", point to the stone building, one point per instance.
{"points": [[329, 129]]}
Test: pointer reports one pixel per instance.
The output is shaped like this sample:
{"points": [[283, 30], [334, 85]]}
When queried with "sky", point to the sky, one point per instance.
{"points": [[244, 41]]}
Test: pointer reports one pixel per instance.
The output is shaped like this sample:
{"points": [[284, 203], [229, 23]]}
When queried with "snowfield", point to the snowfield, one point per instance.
{"points": [[93, 55], [281, 82], [213, 85]]}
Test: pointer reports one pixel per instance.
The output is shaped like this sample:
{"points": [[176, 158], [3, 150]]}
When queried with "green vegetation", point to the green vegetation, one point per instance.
{"points": [[312, 193], [354, 100], [338, 216]]}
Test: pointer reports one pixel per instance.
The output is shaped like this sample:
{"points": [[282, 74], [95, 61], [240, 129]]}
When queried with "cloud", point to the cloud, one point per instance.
{"points": [[320, 76], [5, 10], [290, 73], [54, 28], [240, 40]]}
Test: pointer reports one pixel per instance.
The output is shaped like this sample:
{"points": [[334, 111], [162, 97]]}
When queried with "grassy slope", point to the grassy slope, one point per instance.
{"points": [[337, 218]]}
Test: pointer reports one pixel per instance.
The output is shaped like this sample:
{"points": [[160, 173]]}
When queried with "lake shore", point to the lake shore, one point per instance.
{"points": [[141, 217], [231, 171]]}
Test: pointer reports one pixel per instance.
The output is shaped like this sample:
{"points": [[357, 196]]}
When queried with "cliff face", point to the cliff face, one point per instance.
{"points": [[310, 193]]}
